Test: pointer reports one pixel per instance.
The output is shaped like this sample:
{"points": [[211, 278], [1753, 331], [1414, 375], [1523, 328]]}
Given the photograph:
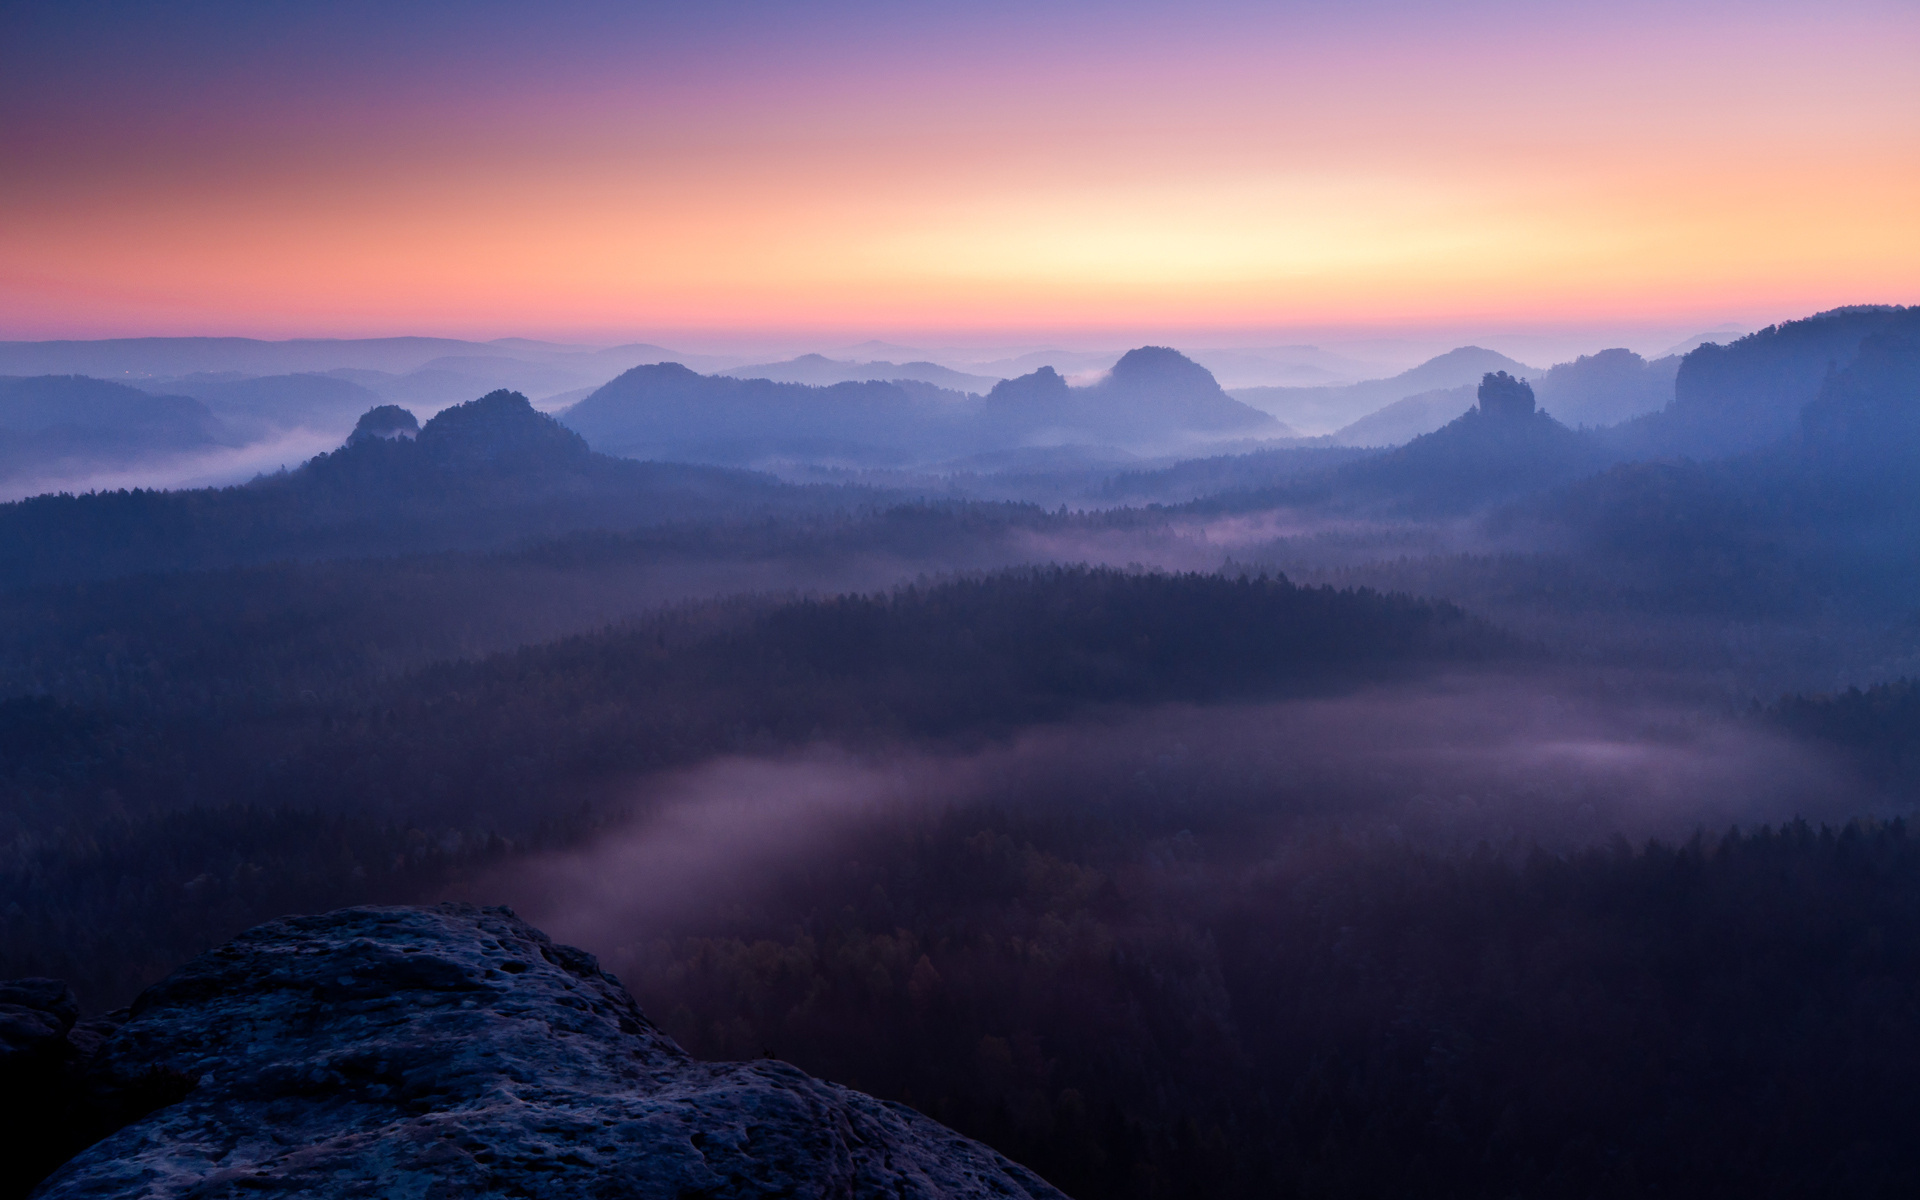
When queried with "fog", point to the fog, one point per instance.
{"points": [[1549, 760], [214, 468]]}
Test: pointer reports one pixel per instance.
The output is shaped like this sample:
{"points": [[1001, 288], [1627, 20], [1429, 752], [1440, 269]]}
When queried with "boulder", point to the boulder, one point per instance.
{"points": [[456, 1051]]}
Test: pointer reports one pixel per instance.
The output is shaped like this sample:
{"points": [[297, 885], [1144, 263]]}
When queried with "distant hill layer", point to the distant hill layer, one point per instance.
{"points": [[1317, 410], [1741, 396], [54, 427], [162, 356], [1153, 399], [1829, 514], [820, 371], [1593, 390], [263, 405], [487, 473], [1498, 450]]}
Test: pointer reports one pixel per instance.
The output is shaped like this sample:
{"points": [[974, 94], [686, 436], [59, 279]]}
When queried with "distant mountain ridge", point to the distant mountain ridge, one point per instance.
{"points": [[1153, 397], [1316, 410], [55, 427], [178, 356], [1743, 395], [485, 474], [819, 371]]}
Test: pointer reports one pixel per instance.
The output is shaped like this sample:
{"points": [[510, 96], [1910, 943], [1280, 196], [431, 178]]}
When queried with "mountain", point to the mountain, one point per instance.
{"points": [[1282, 366], [261, 406], [1722, 336], [1741, 396], [55, 427], [1153, 397], [186, 356], [1607, 388], [1404, 420], [141, 359], [488, 473], [1826, 516], [819, 371], [451, 378], [1155, 392], [1316, 410], [666, 411], [455, 1051], [1864, 425], [1502, 448]]}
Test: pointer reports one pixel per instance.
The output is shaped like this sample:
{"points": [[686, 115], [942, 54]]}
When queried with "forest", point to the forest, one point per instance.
{"points": [[1522, 810]]}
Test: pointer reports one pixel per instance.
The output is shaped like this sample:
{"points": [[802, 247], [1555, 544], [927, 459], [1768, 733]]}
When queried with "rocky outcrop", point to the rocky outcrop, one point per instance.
{"points": [[456, 1051], [55, 1104], [1504, 398]]}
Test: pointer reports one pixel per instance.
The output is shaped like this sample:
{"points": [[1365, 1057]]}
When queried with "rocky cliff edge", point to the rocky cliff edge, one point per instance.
{"points": [[457, 1051]]}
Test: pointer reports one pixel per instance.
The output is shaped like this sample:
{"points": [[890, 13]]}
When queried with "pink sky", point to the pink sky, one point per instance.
{"points": [[913, 171]]}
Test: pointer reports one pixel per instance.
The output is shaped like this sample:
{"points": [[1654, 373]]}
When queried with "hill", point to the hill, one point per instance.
{"points": [[1607, 388], [1502, 448], [1317, 410], [820, 371], [1404, 420], [138, 359], [666, 411], [1596, 389], [1743, 395], [55, 427], [264, 405], [1827, 515], [1153, 399], [490, 472]]}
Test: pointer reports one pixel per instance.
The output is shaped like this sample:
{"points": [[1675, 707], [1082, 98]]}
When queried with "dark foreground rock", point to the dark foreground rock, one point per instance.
{"points": [[455, 1051]]}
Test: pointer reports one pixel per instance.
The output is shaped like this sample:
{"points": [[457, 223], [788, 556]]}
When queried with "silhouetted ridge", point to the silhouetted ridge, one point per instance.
{"points": [[1741, 396], [1871, 409]]}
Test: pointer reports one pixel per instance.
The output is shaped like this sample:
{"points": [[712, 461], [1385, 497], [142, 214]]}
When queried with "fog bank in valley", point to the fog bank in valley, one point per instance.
{"points": [[1545, 759]]}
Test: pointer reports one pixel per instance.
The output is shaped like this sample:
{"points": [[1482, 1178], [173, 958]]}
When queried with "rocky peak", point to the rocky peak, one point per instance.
{"points": [[1504, 397], [457, 1051]]}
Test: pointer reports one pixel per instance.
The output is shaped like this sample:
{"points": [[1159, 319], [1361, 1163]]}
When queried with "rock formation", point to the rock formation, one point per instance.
{"points": [[1504, 397], [456, 1051]]}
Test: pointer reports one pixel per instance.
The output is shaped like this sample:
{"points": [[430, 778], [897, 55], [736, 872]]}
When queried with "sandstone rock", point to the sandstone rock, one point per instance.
{"points": [[35, 1015], [456, 1051]]}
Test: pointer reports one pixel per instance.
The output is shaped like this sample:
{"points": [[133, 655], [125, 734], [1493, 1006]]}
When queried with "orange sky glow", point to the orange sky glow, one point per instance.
{"points": [[1538, 171]]}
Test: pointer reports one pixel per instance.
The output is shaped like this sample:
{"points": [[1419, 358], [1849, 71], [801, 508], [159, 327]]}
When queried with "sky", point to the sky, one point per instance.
{"points": [[913, 170]]}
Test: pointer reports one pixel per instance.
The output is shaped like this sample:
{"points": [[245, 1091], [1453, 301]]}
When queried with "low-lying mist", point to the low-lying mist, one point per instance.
{"points": [[1511, 761], [212, 468]]}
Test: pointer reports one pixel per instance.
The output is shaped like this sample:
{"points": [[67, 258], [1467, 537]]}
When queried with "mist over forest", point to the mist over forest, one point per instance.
{"points": [[1471, 779]]}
